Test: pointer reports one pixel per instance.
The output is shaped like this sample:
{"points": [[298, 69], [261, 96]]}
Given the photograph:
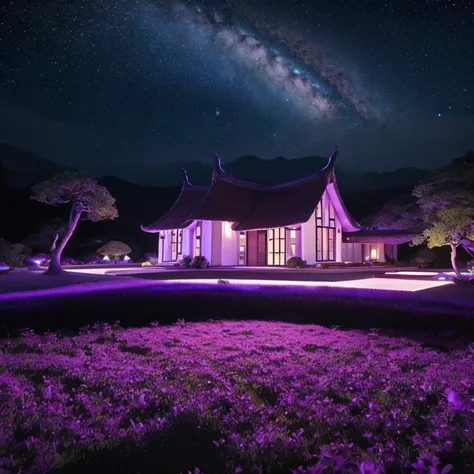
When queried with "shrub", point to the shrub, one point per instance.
{"points": [[146, 264], [200, 262], [152, 260], [186, 261], [296, 262], [13, 255], [470, 266], [93, 260], [425, 257], [114, 248], [223, 282]]}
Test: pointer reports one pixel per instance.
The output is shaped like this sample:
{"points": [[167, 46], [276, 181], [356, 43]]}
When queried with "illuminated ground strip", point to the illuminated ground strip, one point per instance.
{"points": [[365, 284], [433, 274]]}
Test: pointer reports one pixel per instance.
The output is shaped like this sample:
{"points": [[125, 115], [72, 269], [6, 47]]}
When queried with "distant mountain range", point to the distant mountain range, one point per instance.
{"points": [[26, 168], [363, 193]]}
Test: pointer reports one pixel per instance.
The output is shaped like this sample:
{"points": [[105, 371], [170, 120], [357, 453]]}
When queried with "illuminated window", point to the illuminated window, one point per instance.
{"points": [[242, 245], [373, 253], [174, 245], [276, 252], [292, 243], [180, 242], [197, 245], [325, 232]]}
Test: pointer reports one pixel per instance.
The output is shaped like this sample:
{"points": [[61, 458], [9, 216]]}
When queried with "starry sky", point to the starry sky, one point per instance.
{"points": [[124, 87]]}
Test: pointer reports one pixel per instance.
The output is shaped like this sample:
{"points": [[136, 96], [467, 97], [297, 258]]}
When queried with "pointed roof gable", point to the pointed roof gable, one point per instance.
{"points": [[257, 206], [178, 215]]}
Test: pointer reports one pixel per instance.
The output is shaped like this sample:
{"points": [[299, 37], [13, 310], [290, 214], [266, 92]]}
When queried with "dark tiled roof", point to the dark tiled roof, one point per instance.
{"points": [[178, 215], [259, 206], [379, 236]]}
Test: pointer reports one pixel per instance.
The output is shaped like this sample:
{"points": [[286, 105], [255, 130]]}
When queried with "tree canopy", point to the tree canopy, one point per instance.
{"points": [[88, 200], [446, 201], [85, 193]]}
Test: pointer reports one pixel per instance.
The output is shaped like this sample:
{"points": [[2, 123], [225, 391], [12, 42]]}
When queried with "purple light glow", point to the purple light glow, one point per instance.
{"points": [[77, 289], [384, 284]]}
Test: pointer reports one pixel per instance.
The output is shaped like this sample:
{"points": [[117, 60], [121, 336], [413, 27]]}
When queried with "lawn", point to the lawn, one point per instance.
{"points": [[229, 397]]}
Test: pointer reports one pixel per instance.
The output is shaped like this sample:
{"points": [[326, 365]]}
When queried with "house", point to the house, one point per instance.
{"points": [[237, 222]]}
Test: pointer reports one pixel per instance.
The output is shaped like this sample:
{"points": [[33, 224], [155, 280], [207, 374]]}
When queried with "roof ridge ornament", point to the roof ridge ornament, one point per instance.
{"points": [[332, 158], [185, 177], [217, 166]]}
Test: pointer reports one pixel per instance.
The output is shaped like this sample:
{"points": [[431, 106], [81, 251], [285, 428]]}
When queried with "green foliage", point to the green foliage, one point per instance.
{"points": [[446, 201], [85, 193], [424, 257], [296, 262], [200, 262], [13, 254], [42, 239], [186, 261], [114, 248], [398, 214]]}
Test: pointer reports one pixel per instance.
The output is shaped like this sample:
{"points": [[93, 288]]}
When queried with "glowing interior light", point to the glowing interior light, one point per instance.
{"points": [[227, 230], [106, 258], [373, 254], [126, 258]]}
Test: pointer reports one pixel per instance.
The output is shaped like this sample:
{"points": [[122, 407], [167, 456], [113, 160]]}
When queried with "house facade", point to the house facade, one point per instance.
{"points": [[234, 222]]}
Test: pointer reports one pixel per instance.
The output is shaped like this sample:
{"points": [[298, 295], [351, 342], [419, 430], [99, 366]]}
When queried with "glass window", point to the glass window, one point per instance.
{"points": [[174, 245], [325, 232], [180, 242], [242, 245], [276, 246], [197, 244]]}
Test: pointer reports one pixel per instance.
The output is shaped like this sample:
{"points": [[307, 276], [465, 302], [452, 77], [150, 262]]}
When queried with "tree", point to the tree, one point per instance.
{"points": [[43, 238], [400, 213], [87, 198], [446, 201]]}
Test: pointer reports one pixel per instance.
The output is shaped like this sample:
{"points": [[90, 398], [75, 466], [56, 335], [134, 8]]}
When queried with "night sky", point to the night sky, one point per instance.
{"points": [[122, 87]]}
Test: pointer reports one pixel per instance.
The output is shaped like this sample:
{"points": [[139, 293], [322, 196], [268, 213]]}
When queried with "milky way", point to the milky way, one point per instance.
{"points": [[299, 68]]}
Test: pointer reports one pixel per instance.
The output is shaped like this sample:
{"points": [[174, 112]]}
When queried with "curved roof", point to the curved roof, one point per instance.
{"points": [[379, 236], [257, 206], [178, 215]]}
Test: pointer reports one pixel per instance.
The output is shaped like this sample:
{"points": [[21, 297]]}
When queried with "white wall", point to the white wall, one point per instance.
{"points": [[206, 239], [230, 245], [351, 252], [215, 257], [308, 240]]}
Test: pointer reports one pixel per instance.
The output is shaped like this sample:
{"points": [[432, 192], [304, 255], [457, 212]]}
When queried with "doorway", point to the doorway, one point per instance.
{"points": [[257, 248]]}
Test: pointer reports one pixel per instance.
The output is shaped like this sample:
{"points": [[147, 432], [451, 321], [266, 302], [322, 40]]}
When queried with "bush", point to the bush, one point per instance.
{"points": [[14, 255], [296, 262], [93, 260], [200, 262], [424, 258], [186, 261], [470, 266], [152, 260], [115, 249]]}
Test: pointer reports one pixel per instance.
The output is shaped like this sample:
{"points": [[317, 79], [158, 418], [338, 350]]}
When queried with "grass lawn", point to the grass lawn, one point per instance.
{"points": [[230, 397]]}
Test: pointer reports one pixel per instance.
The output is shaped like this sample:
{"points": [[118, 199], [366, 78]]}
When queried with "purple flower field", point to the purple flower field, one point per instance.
{"points": [[230, 397]]}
